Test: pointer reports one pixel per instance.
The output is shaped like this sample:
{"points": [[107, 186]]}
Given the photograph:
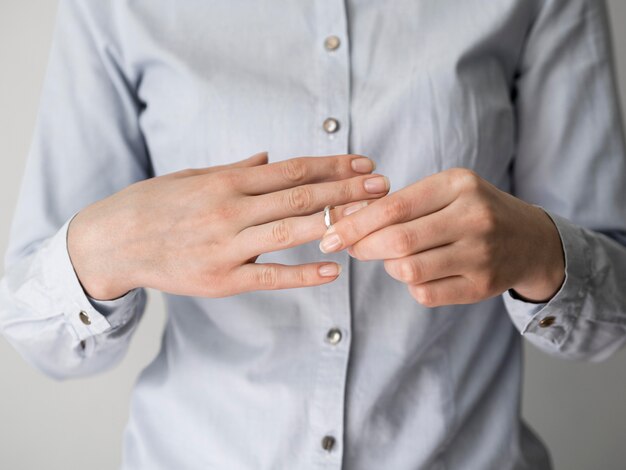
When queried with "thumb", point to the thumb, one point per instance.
{"points": [[257, 159]]}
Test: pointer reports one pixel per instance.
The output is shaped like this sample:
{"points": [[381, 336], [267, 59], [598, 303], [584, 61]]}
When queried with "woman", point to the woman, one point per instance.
{"points": [[477, 112]]}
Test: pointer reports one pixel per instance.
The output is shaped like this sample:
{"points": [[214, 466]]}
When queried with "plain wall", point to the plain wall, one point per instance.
{"points": [[579, 409]]}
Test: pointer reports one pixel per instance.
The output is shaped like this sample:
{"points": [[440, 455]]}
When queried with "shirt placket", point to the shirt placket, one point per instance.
{"points": [[333, 119]]}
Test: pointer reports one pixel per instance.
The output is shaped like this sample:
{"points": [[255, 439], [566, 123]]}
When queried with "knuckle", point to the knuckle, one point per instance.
{"points": [[220, 182], [486, 252], [489, 284], [302, 277], [424, 295], [396, 208], [410, 271], [338, 167], [294, 171], [268, 277], [483, 285], [300, 199], [360, 250], [210, 292], [282, 233], [231, 178], [209, 280], [223, 178], [348, 230], [346, 191], [485, 220], [392, 267], [402, 241], [465, 179]]}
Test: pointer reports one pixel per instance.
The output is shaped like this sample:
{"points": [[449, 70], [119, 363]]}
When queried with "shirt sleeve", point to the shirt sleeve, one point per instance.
{"points": [[87, 145], [571, 162]]}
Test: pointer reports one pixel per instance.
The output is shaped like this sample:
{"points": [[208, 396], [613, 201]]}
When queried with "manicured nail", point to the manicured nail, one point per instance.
{"points": [[330, 243], [356, 207], [363, 165], [330, 270], [378, 184]]}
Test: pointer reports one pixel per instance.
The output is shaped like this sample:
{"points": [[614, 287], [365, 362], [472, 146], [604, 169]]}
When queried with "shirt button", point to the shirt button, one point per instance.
{"points": [[328, 442], [84, 318], [333, 336], [547, 321], [331, 125], [331, 43]]}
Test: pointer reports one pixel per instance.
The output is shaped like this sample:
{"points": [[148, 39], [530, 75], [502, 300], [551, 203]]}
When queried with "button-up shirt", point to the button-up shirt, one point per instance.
{"points": [[354, 374]]}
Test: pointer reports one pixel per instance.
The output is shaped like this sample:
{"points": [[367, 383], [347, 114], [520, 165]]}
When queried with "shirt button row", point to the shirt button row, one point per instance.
{"points": [[331, 125]]}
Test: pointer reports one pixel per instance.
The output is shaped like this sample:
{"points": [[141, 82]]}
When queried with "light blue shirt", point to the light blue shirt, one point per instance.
{"points": [[521, 91]]}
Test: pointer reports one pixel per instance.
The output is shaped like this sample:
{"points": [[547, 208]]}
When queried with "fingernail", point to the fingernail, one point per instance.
{"points": [[378, 184], [363, 165], [330, 243], [356, 207], [329, 270]]}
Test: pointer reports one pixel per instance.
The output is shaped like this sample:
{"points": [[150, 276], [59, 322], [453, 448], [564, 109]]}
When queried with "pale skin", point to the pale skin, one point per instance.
{"points": [[199, 232], [452, 238]]}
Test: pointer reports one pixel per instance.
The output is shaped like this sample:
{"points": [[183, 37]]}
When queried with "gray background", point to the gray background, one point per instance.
{"points": [[579, 409]]}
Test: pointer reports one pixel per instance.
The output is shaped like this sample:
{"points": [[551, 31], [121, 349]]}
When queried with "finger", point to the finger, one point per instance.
{"points": [[448, 291], [429, 265], [298, 171], [422, 198], [287, 233], [257, 159], [270, 276], [312, 198], [397, 241]]}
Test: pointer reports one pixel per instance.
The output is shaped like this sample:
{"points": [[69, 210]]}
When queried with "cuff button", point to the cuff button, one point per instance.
{"points": [[547, 321], [84, 318]]}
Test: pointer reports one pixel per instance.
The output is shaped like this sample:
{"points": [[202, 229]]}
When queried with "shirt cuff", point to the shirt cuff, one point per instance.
{"points": [[552, 322], [88, 317]]}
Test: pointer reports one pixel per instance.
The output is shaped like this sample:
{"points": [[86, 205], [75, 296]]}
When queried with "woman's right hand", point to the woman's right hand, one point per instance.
{"points": [[199, 232]]}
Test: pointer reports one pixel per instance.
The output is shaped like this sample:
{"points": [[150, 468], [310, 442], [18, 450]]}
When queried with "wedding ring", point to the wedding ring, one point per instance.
{"points": [[327, 219]]}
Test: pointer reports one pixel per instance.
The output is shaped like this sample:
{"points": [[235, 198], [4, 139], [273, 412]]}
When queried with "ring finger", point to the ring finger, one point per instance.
{"points": [[311, 198], [289, 232]]}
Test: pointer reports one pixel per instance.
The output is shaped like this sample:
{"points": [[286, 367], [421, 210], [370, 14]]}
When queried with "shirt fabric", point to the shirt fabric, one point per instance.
{"points": [[521, 91]]}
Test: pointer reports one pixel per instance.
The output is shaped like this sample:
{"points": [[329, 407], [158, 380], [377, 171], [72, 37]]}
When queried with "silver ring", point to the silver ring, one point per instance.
{"points": [[327, 219]]}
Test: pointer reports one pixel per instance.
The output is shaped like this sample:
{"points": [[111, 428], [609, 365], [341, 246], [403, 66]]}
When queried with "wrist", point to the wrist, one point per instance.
{"points": [[546, 262], [92, 260]]}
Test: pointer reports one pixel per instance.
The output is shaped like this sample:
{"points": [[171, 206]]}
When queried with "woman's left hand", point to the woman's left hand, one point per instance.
{"points": [[454, 238]]}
